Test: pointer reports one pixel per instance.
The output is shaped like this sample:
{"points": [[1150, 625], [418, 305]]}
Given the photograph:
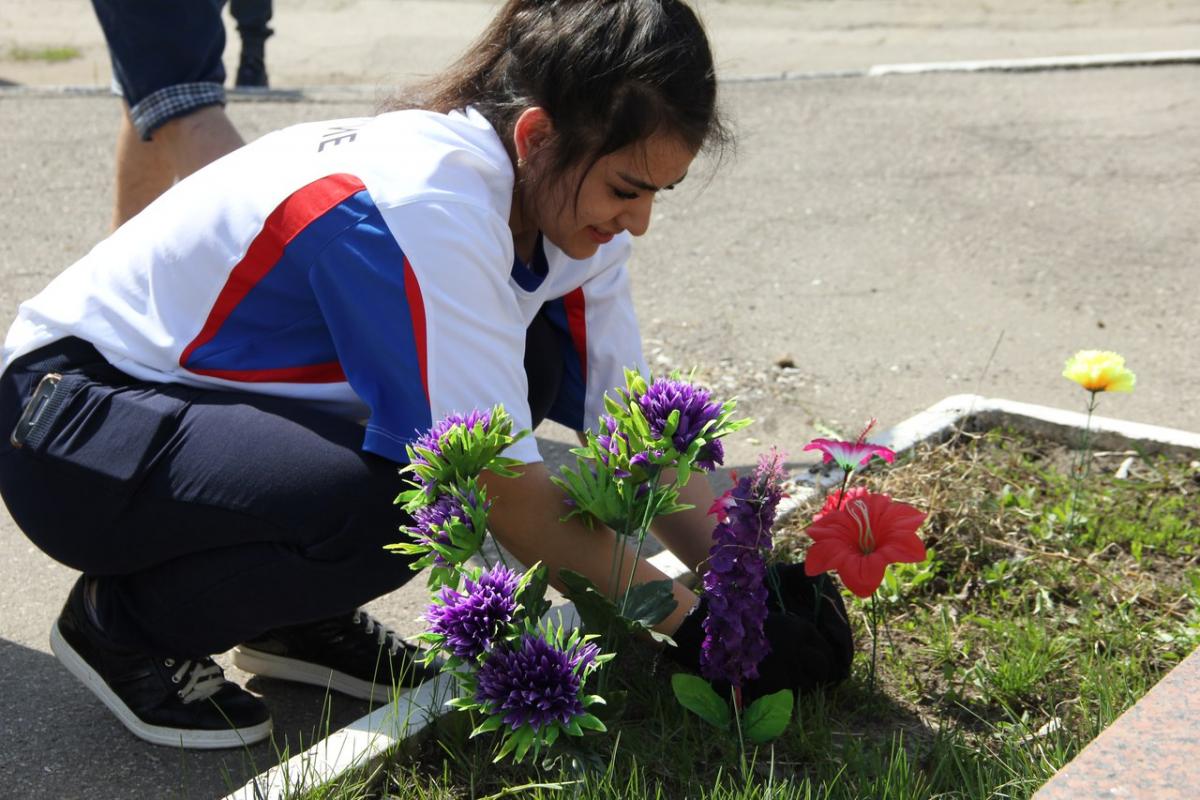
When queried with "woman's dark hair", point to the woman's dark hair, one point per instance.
{"points": [[608, 73]]}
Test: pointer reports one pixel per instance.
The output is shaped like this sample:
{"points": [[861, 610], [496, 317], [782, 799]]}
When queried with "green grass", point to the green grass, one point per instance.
{"points": [[51, 55], [1009, 649]]}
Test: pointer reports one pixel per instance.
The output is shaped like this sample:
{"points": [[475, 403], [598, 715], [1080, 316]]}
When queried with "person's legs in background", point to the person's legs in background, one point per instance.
{"points": [[252, 17], [148, 167], [166, 60]]}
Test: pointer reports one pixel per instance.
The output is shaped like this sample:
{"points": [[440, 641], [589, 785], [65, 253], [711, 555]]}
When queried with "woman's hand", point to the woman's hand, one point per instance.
{"points": [[803, 654]]}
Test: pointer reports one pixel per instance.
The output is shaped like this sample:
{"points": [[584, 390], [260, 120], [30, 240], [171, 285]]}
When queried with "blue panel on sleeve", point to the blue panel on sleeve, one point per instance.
{"points": [[569, 407], [359, 283], [278, 325]]}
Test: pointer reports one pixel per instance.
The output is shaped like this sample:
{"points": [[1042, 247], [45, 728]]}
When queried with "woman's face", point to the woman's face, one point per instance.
{"points": [[617, 194]]}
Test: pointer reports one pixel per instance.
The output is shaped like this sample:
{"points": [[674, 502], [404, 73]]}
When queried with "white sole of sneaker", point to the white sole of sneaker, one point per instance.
{"points": [[155, 734], [270, 665]]}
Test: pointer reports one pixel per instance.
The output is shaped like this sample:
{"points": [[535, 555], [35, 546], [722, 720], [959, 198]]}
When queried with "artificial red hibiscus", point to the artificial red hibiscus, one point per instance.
{"points": [[836, 499], [859, 539]]}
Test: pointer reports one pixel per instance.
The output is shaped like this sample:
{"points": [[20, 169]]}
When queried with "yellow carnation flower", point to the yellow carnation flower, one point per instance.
{"points": [[1099, 371]]}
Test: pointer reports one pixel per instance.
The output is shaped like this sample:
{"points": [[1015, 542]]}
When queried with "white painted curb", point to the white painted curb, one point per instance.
{"points": [[1040, 64], [354, 745], [353, 92], [370, 737]]}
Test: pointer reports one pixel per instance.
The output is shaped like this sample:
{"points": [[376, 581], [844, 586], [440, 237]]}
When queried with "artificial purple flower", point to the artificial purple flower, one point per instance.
{"points": [[429, 523], [536, 683], [711, 455], [610, 439], [735, 585], [473, 620], [431, 439], [695, 409]]}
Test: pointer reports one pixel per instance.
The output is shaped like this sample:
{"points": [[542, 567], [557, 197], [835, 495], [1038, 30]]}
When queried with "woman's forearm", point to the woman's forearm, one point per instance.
{"points": [[525, 518], [688, 534]]}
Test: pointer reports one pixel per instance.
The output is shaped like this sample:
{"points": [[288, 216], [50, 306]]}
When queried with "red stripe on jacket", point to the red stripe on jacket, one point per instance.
{"points": [[286, 222], [329, 372], [416, 309], [576, 308]]}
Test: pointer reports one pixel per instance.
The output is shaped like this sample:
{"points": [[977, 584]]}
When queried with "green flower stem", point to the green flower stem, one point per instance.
{"points": [[618, 548], [615, 583], [818, 591], [874, 639], [500, 553], [1084, 468], [842, 491], [735, 697], [642, 529]]}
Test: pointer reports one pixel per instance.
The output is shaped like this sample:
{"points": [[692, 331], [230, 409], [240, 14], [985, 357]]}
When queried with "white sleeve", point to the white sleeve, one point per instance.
{"points": [[474, 335]]}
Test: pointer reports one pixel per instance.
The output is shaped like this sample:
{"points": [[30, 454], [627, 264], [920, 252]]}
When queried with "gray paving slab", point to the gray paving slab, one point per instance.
{"points": [[883, 234]]}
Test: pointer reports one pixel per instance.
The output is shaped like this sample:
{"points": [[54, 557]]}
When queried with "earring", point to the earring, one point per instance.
{"points": [[520, 163]]}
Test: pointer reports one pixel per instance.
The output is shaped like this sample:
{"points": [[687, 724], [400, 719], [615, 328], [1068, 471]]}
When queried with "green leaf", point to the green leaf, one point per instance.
{"points": [[526, 737], [650, 603], [590, 722], [696, 695], [489, 724], [672, 424], [531, 592], [506, 747], [596, 612], [768, 716]]}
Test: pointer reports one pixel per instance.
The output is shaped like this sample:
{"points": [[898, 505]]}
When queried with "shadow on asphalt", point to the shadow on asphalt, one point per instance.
{"points": [[78, 746]]}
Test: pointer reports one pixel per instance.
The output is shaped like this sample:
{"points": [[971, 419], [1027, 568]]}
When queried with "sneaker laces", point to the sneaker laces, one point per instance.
{"points": [[204, 678], [384, 635]]}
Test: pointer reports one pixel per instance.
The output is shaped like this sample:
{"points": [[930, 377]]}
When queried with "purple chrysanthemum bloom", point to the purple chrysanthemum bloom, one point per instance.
{"points": [[430, 440], [429, 521], [473, 619], [735, 585], [695, 409], [535, 684]]}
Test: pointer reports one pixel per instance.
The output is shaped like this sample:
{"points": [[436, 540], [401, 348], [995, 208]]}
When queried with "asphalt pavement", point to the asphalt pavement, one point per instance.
{"points": [[894, 240]]}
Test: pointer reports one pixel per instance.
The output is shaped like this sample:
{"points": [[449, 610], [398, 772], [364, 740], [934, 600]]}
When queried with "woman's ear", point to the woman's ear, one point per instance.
{"points": [[532, 131]]}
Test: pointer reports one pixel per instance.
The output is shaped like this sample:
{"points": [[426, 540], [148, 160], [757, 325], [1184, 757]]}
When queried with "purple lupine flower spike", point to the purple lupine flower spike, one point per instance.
{"points": [[734, 642], [474, 620]]}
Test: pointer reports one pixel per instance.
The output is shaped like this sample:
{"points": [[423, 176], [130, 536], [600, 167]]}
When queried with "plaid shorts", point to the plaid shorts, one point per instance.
{"points": [[173, 101], [166, 56]]}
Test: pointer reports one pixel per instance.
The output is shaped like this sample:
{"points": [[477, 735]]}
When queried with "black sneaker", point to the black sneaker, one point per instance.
{"points": [[354, 654], [169, 701]]}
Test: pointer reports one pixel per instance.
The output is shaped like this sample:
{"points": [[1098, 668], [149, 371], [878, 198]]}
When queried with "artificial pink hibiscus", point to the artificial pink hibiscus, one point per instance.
{"points": [[851, 455], [862, 537]]}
